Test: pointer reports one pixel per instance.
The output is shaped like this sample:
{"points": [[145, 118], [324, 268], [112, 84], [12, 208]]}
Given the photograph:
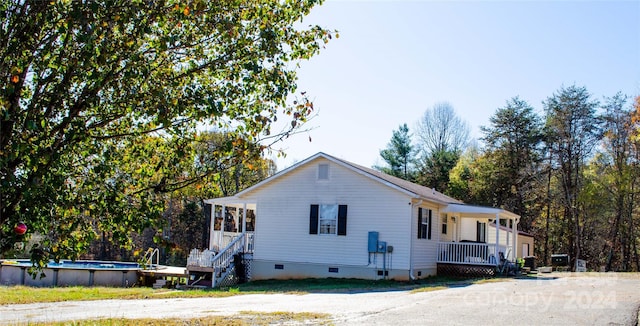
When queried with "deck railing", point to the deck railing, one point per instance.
{"points": [[212, 258], [200, 258], [469, 253]]}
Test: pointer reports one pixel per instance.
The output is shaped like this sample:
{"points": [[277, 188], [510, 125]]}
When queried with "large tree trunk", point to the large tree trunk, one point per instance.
{"points": [[613, 233]]}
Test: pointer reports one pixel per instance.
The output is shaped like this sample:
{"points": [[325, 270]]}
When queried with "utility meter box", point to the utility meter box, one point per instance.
{"points": [[373, 241], [382, 246]]}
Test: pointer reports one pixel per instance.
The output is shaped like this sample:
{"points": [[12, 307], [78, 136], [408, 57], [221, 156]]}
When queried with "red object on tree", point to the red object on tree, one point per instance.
{"points": [[20, 228]]}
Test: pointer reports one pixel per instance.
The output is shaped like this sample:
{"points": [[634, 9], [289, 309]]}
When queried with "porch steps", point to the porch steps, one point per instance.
{"points": [[222, 268], [160, 283]]}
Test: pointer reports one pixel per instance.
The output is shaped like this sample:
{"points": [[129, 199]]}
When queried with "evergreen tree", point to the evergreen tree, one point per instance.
{"points": [[573, 130], [399, 154], [513, 145]]}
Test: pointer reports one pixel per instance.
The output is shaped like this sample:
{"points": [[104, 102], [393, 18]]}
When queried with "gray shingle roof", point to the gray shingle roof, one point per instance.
{"points": [[422, 191]]}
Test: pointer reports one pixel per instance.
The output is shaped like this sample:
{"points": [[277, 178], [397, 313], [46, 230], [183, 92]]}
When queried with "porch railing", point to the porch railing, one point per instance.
{"points": [[469, 253], [212, 258]]}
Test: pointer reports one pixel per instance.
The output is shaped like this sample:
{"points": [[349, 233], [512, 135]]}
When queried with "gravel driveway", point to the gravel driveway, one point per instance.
{"points": [[556, 299]]}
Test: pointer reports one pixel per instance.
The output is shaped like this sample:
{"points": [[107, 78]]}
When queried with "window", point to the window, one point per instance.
{"points": [[323, 171], [424, 223], [328, 219], [481, 232], [525, 250], [444, 223]]}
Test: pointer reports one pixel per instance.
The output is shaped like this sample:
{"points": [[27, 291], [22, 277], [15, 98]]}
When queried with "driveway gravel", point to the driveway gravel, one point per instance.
{"points": [[552, 299]]}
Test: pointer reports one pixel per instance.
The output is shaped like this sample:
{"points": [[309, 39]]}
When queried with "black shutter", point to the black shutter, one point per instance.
{"points": [[313, 219], [342, 220], [419, 223], [478, 231], [429, 231], [209, 223]]}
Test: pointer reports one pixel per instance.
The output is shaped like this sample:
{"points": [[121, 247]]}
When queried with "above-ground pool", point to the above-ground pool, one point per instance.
{"points": [[69, 273]]}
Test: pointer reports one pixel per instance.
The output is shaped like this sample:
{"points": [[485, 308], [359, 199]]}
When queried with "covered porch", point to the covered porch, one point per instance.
{"points": [[230, 217], [231, 235], [474, 240]]}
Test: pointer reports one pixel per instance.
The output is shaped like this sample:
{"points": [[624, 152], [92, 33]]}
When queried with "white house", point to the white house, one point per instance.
{"points": [[326, 217]]}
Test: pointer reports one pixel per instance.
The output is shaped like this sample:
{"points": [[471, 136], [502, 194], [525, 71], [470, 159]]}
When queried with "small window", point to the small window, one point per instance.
{"points": [[444, 223], [323, 172], [424, 223]]}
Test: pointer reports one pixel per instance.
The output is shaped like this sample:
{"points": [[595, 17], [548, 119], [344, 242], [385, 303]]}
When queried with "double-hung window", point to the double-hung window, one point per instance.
{"points": [[444, 223], [328, 219], [424, 223], [481, 235]]}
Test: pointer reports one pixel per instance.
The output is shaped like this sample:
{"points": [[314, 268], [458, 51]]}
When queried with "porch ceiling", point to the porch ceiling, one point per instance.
{"points": [[480, 210]]}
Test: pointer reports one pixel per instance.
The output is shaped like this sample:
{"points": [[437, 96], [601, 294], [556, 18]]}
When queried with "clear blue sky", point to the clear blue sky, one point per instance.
{"points": [[396, 59]]}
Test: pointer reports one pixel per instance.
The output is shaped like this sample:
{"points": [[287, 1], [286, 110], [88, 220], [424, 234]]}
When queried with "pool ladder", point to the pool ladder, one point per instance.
{"points": [[147, 259]]}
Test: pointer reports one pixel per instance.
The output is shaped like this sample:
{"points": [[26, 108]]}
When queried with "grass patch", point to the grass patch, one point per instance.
{"points": [[241, 319], [25, 294]]}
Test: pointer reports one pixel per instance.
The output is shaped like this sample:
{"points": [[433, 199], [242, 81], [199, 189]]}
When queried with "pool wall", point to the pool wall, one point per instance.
{"points": [[17, 274]]}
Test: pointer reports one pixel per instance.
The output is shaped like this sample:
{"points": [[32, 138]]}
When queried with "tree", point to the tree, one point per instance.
{"points": [[231, 164], [513, 145], [435, 169], [617, 177], [463, 178], [399, 154], [441, 130], [443, 136], [573, 130], [87, 84]]}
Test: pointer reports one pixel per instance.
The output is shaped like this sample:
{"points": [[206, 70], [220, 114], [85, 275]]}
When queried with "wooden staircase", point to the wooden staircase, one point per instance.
{"points": [[219, 269]]}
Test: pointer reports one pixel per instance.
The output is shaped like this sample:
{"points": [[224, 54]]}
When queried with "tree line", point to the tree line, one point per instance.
{"points": [[571, 173]]}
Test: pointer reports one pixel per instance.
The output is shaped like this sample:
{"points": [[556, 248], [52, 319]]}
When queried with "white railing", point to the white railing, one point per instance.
{"points": [[200, 258], [224, 257], [223, 239], [147, 260], [469, 253], [248, 242], [209, 258]]}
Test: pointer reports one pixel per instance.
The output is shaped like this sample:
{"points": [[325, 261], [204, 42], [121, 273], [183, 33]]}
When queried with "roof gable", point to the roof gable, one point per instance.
{"points": [[402, 185]]}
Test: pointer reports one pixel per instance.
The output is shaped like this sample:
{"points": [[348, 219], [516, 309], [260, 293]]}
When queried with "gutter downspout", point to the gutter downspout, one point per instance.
{"points": [[411, 276]]}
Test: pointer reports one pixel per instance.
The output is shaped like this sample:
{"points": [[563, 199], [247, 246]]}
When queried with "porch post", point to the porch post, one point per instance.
{"points": [[224, 221], [244, 218], [515, 238], [244, 224], [497, 244], [212, 225]]}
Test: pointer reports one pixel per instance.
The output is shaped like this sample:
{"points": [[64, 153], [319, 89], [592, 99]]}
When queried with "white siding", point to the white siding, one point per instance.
{"points": [[503, 240], [282, 222], [469, 228], [450, 225], [424, 250], [503, 236]]}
